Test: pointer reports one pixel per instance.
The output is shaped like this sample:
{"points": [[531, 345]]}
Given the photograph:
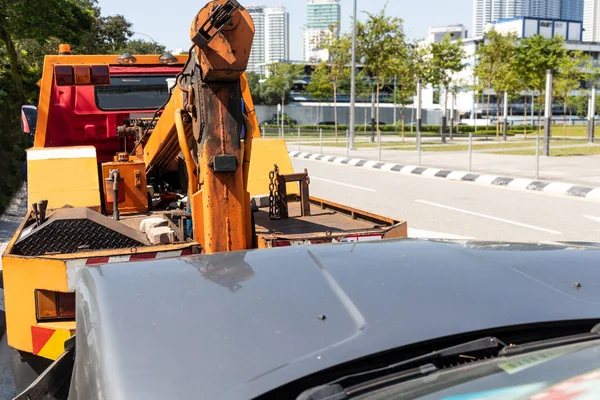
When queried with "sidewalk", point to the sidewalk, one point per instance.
{"points": [[581, 170]]}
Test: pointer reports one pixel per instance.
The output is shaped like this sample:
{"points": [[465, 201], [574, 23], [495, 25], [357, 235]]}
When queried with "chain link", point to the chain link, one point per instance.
{"points": [[274, 211]]}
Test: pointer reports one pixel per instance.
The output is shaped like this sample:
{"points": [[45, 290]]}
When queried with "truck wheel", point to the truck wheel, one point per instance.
{"points": [[26, 368]]}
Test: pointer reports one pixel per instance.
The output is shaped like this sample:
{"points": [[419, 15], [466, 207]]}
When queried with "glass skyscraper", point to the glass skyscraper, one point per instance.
{"points": [[321, 15], [572, 10]]}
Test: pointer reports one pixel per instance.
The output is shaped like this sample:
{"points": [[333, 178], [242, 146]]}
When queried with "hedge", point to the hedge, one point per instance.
{"points": [[394, 129]]}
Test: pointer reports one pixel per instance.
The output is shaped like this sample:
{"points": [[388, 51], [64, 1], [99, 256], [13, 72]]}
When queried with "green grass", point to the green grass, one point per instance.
{"points": [[560, 152]]}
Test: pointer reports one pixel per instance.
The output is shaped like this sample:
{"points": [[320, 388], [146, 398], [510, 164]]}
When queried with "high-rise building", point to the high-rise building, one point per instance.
{"points": [[486, 11], [323, 20], [277, 34], [257, 54], [271, 36], [591, 17], [572, 10], [542, 8]]}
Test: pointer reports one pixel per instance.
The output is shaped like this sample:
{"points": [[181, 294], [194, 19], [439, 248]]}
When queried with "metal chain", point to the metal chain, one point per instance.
{"points": [[274, 212]]}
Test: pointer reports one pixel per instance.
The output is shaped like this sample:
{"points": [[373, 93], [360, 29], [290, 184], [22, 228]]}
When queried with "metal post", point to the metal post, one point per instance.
{"points": [[592, 114], [452, 99], [298, 138], [262, 131], [321, 139], [353, 81], [347, 143], [419, 116], [470, 150], [373, 116], [505, 129], [533, 109], [395, 108], [379, 145], [548, 113], [444, 115], [537, 155]]}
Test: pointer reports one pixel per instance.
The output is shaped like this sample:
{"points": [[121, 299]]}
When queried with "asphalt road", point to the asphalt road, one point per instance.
{"points": [[439, 208], [433, 207]]}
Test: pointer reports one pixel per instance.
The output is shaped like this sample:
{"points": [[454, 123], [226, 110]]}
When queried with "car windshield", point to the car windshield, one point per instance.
{"points": [[133, 92], [537, 375]]}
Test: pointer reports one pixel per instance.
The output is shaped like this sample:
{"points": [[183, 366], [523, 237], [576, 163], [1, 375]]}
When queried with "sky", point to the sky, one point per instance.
{"points": [[168, 22]]}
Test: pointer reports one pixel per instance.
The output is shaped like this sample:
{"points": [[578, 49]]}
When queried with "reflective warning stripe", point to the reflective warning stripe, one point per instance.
{"points": [[75, 264], [50, 153], [135, 257], [48, 342]]}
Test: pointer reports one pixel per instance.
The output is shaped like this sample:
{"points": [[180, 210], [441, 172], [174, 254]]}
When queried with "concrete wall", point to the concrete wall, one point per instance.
{"points": [[312, 113]]}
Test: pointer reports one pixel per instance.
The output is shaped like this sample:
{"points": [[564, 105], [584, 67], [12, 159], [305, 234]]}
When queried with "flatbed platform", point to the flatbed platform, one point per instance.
{"points": [[328, 222]]}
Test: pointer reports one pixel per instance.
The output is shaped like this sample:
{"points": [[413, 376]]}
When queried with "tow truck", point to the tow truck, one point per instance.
{"points": [[140, 157]]}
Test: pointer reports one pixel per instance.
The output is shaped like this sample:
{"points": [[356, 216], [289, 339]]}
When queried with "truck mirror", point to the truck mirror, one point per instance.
{"points": [[29, 119]]}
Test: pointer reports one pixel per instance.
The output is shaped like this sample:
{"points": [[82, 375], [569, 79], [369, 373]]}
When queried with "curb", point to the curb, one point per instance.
{"points": [[560, 188]]}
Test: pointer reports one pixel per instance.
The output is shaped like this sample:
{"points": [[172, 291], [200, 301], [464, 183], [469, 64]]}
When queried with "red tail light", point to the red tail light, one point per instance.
{"points": [[68, 75], [100, 75], [64, 75]]}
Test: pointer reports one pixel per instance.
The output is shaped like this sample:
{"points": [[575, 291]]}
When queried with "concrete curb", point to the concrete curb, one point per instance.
{"points": [[560, 188]]}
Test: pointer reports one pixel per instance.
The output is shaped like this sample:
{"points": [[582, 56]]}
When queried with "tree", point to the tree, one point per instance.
{"points": [[276, 89], [445, 60], [408, 70], [571, 71], [321, 86], [533, 57], [254, 85], [39, 21], [493, 55], [139, 46], [339, 49], [380, 42]]}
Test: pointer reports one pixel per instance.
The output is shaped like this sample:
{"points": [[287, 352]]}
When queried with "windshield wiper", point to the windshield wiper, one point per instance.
{"points": [[412, 368]]}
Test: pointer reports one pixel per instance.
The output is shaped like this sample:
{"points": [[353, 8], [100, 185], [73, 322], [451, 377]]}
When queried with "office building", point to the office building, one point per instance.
{"points": [[486, 11], [572, 10], [271, 36], [591, 16], [438, 33], [323, 20], [257, 54], [277, 34], [524, 27], [542, 8]]}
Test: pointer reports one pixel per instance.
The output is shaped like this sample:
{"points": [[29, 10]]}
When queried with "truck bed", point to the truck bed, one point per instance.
{"points": [[328, 222]]}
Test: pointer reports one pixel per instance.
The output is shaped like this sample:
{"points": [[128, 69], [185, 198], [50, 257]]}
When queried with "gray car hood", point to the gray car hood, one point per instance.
{"points": [[236, 325]]}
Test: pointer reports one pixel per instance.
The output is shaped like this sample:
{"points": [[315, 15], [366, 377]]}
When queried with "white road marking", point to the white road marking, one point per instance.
{"points": [[597, 219], [520, 183], [422, 234], [456, 175], [486, 179], [430, 172], [594, 195], [507, 221], [343, 184], [557, 187]]}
